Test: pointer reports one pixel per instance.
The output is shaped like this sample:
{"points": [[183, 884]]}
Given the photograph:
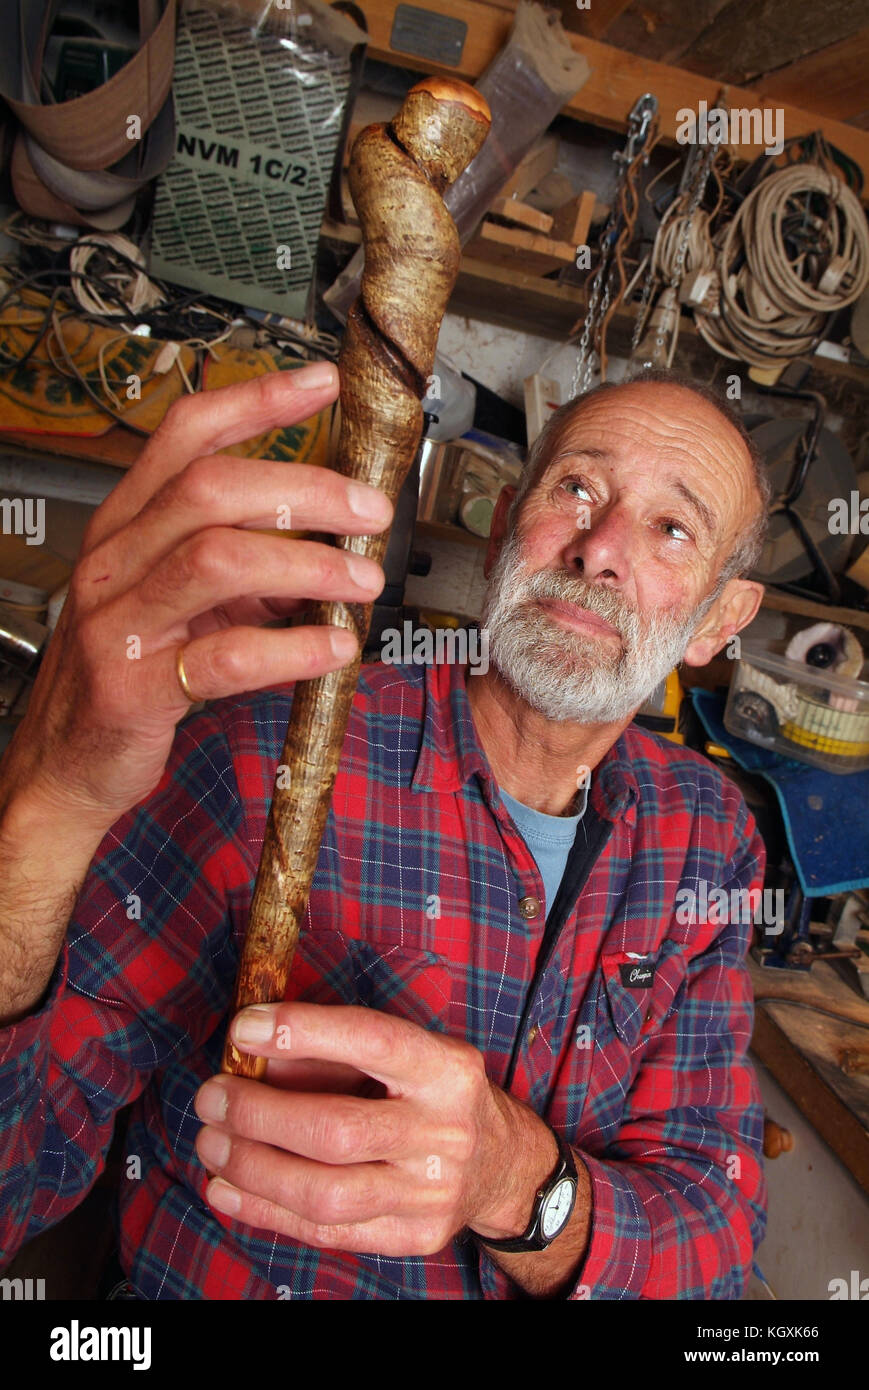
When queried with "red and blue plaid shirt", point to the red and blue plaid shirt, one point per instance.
{"points": [[415, 910]]}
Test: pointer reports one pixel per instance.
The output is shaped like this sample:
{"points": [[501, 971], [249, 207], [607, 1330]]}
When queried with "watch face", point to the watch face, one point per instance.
{"points": [[557, 1208]]}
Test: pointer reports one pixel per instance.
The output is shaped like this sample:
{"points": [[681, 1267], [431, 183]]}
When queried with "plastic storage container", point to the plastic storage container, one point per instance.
{"points": [[799, 711]]}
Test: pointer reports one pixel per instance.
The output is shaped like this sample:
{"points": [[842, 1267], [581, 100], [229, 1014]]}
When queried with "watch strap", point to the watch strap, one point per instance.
{"points": [[533, 1238]]}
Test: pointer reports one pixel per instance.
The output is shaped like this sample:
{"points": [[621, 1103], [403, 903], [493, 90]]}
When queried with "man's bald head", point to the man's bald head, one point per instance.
{"points": [[747, 551]]}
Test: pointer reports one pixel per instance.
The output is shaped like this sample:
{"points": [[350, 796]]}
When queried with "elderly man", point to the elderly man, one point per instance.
{"points": [[504, 1068]]}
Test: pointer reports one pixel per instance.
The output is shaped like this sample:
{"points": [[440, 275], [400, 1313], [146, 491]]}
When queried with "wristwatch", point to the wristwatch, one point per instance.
{"points": [[554, 1201]]}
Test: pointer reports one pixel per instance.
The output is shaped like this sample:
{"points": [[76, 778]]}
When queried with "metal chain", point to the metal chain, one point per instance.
{"points": [[640, 122], [698, 188], [643, 310], [583, 369]]}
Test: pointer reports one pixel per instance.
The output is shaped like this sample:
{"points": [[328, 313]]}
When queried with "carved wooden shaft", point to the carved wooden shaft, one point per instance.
{"points": [[397, 174]]}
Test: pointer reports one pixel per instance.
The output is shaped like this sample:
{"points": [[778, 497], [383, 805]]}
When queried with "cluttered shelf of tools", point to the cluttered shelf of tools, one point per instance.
{"points": [[516, 299]]}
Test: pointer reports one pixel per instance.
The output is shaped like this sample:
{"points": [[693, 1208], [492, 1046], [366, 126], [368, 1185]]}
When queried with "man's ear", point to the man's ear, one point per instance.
{"points": [[499, 526], [734, 609]]}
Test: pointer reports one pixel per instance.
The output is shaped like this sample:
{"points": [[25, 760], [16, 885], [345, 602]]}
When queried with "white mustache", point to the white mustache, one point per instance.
{"points": [[603, 603]]}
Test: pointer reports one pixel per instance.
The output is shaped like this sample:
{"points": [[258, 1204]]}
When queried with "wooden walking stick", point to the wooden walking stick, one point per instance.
{"points": [[398, 173]]}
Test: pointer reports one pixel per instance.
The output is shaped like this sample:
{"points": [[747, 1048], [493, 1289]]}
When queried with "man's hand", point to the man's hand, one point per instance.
{"points": [[175, 557], [401, 1171]]}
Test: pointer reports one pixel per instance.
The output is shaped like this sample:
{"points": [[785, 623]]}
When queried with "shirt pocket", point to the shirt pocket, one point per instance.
{"points": [[637, 1010], [375, 972]]}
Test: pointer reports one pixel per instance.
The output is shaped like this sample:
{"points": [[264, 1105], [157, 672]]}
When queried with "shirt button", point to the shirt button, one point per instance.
{"points": [[532, 1032], [529, 907]]}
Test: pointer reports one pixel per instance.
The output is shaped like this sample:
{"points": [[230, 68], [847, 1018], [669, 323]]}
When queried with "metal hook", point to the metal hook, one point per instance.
{"points": [[643, 112]]}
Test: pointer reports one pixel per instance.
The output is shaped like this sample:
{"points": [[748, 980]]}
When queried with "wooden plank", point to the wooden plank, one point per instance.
{"points": [[616, 79], [530, 170], [781, 602], [804, 1050], [515, 299], [597, 16], [811, 1094], [663, 31], [822, 986], [571, 222], [523, 215], [734, 49], [512, 246], [836, 76]]}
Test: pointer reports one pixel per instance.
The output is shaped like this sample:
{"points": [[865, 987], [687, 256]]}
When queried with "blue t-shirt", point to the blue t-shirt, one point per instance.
{"points": [[549, 839]]}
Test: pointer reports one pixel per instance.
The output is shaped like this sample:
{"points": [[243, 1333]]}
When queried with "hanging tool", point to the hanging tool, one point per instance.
{"points": [[682, 245]]}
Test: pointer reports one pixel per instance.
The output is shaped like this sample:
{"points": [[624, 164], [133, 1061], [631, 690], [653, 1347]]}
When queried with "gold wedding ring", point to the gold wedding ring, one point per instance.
{"points": [[182, 677]]}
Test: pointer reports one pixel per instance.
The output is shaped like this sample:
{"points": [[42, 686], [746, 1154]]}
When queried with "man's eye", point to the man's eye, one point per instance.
{"points": [[583, 492], [676, 530]]}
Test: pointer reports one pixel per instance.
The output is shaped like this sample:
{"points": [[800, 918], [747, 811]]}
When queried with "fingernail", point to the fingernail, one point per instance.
{"points": [[314, 376], [368, 502], [343, 643], [362, 570], [211, 1102], [254, 1025], [223, 1196], [213, 1147]]}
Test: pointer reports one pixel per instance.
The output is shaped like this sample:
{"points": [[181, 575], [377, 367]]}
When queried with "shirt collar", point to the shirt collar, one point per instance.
{"points": [[450, 752]]}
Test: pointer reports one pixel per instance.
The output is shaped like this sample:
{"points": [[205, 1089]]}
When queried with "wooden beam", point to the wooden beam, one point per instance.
{"points": [[824, 1110], [665, 30], [836, 76], [520, 214], [572, 221], [594, 20], [511, 246], [738, 46], [597, 16], [783, 602], [530, 170], [616, 80]]}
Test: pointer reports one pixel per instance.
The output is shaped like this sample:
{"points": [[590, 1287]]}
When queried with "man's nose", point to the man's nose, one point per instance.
{"points": [[602, 549]]}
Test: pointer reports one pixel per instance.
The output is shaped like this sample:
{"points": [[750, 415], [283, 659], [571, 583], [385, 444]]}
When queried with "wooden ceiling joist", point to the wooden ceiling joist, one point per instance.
{"points": [[599, 15], [837, 77], [617, 78]]}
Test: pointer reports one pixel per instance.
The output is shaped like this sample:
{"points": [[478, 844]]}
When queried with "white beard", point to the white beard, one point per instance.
{"points": [[562, 673]]}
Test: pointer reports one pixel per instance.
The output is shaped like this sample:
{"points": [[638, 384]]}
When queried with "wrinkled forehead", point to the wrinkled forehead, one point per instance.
{"points": [[669, 423]]}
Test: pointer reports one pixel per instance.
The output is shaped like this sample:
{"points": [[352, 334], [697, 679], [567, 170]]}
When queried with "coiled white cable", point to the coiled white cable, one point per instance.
{"points": [[136, 289], [775, 305]]}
